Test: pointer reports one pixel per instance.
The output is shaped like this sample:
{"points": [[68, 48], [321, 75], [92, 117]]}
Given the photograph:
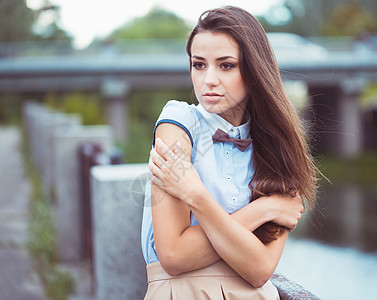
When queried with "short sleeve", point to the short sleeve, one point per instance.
{"points": [[179, 113]]}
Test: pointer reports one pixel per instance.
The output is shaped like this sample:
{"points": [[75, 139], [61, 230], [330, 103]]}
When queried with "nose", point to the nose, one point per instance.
{"points": [[211, 78]]}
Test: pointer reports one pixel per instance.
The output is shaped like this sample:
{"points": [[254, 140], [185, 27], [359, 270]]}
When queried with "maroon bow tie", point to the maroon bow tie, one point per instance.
{"points": [[222, 137]]}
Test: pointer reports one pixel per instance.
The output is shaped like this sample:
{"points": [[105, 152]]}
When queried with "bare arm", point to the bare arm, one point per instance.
{"points": [[182, 248]]}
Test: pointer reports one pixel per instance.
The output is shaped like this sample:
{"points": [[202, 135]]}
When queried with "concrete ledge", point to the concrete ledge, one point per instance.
{"points": [[66, 143], [117, 207], [290, 290]]}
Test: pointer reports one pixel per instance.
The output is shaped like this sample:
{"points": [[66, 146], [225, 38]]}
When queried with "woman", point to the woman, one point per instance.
{"points": [[227, 175]]}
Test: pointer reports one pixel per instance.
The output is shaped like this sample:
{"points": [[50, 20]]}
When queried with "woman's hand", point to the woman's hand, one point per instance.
{"points": [[173, 172], [283, 210]]}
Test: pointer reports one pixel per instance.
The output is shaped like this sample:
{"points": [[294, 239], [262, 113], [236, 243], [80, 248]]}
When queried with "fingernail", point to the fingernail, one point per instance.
{"points": [[178, 144]]}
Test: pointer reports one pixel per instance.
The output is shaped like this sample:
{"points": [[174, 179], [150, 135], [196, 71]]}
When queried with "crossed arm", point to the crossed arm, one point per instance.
{"points": [[181, 247]]}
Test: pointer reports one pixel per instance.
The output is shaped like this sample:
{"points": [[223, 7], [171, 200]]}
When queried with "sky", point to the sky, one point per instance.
{"points": [[87, 19]]}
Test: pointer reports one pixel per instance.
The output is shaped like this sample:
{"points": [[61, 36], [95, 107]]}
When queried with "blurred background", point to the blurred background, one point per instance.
{"points": [[118, 63]]}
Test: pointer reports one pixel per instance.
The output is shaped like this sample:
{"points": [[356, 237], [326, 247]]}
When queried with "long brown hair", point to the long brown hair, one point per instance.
{"points": [[280, 158]]}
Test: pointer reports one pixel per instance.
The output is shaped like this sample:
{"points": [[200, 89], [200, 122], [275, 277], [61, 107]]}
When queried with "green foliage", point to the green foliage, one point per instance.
{"points": [[349, 19], [53, 33], [145, 107], [89, 106], [42, 237], [16, 20], [361, 170], [157, 24], [369, 95], [10, 108], [43, 233], [322, 17], [59, 284]]}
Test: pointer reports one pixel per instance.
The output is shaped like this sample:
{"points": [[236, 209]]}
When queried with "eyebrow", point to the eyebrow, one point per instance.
{"points": [[217, 59]]}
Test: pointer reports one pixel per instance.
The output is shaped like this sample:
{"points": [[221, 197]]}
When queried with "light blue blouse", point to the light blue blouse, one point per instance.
{"points": [[223, 168]]}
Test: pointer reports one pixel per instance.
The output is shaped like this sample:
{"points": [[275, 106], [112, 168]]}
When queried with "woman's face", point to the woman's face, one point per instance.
{"points": [[216, 75]]}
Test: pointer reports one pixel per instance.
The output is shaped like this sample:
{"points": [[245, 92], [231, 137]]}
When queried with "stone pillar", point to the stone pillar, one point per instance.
{"points": [[39, 116], [350, 116], [118, 197], [66, 142], [28, 111], [55, 121], [115, 92]]}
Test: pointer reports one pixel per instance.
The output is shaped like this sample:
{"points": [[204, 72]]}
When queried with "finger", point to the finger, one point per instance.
{"points": [[156, 171], [301, 205], [156, 158], [160, 163], [299, 201], [298, 197], [156, 181], [165, 152]]}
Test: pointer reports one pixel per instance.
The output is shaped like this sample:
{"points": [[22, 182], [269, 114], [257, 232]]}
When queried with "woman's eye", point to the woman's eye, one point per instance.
{"points": [[227, 66], [198, 65]]}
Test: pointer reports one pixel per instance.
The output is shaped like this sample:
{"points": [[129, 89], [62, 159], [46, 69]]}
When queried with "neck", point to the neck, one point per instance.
{"points": [[236, 118], [237, 114]]}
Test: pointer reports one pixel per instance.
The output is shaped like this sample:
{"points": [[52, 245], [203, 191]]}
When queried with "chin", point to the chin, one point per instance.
{"points": [[212, 108]]}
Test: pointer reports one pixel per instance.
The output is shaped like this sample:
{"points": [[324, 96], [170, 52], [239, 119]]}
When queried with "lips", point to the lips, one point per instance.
{"points": [[212, 94], [212, 97]]}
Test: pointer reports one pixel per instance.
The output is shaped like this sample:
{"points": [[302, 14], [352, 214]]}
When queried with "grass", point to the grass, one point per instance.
{"points": [[42, 236]]}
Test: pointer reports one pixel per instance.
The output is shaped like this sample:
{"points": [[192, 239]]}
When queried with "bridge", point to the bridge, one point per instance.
{"points": [[334, 83]]}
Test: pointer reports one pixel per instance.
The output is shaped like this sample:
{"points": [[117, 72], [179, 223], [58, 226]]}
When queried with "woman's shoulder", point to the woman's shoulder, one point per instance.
{"points": [[179, 105], [179, 111], [182, 114]]}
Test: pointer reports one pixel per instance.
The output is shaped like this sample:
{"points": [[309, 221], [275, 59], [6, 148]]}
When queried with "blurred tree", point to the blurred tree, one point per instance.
{"points": [[156, 24], [315, 17], [46, 22], [303, 17], [53, 32], [16, 21], [349, 19]]}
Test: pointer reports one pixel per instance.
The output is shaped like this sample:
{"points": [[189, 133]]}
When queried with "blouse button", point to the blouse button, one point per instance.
{"points": [[227, 153], [229, 178], [234, 199]]}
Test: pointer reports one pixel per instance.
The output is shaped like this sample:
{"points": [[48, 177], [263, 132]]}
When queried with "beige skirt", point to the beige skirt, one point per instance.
{"points": [[217, 281]]}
